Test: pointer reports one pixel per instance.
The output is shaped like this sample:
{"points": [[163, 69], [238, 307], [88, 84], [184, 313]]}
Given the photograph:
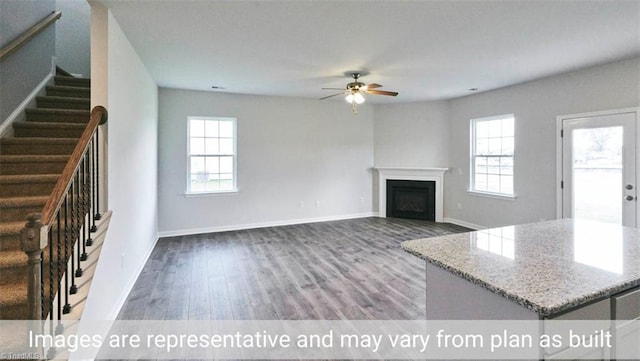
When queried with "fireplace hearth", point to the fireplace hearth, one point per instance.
{"points": [[411, 199]]}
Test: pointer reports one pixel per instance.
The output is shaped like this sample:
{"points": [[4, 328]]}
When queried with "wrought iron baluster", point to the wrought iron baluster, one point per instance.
{"points": [[83, 169], [74, 288], [90, 178], [43, 296], [67, 306], [52, 352], [97, 216], [76, 220], [59, 328], [51, 265]]}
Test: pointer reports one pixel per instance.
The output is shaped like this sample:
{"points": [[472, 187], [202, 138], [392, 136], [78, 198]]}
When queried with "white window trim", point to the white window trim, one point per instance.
{"points": [[504, 196], [472, 136], [190, 194]]}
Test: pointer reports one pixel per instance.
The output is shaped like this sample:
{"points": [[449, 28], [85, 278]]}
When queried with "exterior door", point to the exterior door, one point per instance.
{"points": [[599, 168]]}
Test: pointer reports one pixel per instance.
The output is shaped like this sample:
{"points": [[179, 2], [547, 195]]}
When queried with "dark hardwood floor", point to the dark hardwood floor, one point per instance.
{"points": [[351, 269]]}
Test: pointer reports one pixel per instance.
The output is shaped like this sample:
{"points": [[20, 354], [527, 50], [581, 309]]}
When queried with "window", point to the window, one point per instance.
{"points": [[212, 155], [492, 143]]}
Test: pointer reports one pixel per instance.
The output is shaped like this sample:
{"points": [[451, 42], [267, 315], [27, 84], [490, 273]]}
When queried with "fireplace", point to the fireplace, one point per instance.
{"points": [[411, 199], [411, 174]]}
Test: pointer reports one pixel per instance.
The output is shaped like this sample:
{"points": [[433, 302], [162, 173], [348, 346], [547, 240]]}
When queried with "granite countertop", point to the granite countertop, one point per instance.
{"points": [[547, 267]]}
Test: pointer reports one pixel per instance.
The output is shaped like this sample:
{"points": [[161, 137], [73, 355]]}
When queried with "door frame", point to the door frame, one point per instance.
{"points": [[559, 122]]}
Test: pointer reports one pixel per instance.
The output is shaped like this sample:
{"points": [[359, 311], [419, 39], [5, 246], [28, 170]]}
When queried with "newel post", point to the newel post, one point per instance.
{"points": [[33, 240]]}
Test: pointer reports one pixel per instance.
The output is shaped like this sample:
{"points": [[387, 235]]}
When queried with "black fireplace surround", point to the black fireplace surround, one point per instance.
{"points": [[411, 199]]}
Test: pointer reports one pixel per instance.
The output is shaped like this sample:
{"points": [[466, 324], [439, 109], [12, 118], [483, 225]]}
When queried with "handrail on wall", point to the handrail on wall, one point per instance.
{"points": [[29, 34]]}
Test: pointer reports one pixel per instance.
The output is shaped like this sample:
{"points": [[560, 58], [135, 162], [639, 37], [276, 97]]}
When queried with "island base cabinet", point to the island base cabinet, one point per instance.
{"points": [[626, 309], [627, 345]]}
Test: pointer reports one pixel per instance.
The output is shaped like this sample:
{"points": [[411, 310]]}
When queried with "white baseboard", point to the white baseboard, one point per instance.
{"points": [[237, 227], [457, 222], [113, 314], [463, 223]]}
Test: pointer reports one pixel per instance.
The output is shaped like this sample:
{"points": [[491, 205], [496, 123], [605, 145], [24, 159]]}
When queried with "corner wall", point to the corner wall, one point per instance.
{"points": [[298, 160], [131, 97], [412, 134], [536, 105], [73, 37]]}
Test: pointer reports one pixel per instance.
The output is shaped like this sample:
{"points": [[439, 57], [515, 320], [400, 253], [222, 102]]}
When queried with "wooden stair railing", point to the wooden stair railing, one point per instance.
{"points": [[58, 236], [29, 34]]}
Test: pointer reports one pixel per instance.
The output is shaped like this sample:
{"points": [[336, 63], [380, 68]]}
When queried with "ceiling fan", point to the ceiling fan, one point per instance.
{"points": [[355, 91]]}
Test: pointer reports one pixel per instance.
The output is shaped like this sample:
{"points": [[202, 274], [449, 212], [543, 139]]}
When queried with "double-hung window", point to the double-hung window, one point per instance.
{"points": [[212, 155], [492, 145]]}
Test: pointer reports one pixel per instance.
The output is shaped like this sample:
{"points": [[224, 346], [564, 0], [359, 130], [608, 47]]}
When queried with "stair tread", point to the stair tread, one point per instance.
{"points": [[10, 295], [13, 258], [58, 111], [23, 201], [38, 140], [32, 158], [64, 99], [72, 78], [30, 178], [69, 87], [11, 228], [33, 124]]}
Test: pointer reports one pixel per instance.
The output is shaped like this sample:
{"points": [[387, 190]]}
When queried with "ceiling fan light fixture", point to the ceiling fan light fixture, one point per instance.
{"points": [[354, 92], [358, 98], [355, 97]]}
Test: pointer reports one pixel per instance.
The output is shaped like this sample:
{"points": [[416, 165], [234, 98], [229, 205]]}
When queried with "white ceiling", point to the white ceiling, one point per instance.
{"points": [[425, 50]]}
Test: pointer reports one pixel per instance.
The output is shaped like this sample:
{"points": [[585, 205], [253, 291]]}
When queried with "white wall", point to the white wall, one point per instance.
{"points": [[412, 135], [535, 106], [30, 66], [73, 37], [291, 153], [293, 133], [132, 102]]}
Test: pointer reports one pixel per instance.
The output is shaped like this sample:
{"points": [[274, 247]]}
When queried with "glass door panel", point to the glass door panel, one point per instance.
{"points": [[597, 174], [599, 168]]}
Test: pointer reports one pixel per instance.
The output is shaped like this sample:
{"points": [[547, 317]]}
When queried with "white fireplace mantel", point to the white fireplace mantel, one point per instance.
{"points": [[418, 174]]}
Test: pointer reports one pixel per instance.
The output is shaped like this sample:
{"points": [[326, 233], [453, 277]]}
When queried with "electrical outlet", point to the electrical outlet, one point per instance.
{"points": [[122, 261], [459, 205], [301, 204]]}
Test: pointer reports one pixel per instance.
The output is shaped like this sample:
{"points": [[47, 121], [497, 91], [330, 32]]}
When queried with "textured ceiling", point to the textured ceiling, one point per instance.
{"points": [[425, 50]]}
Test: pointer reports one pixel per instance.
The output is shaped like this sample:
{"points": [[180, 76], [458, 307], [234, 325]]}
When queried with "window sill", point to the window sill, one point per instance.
{"points": [[210, 194], [508, 197]]}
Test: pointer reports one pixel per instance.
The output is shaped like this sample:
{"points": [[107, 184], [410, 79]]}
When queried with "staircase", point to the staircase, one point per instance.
{"points": [[31, 161]]}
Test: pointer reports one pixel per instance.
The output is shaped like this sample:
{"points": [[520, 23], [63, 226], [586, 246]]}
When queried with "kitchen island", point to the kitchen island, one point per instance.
{"points": [[563, 270]]}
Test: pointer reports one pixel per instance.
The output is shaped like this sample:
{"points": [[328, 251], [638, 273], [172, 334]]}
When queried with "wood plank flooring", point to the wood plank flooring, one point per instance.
{"points": [[350, 269]]}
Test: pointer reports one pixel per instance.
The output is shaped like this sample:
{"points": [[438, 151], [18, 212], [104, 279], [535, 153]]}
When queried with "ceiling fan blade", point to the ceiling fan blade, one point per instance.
{"points": [[332, 88], [382, 92], [332, 95], [372, 86]]}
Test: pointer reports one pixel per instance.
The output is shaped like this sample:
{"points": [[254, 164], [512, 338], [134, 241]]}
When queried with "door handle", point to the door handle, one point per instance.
{"points": [[629, 187], [629, 198]]}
